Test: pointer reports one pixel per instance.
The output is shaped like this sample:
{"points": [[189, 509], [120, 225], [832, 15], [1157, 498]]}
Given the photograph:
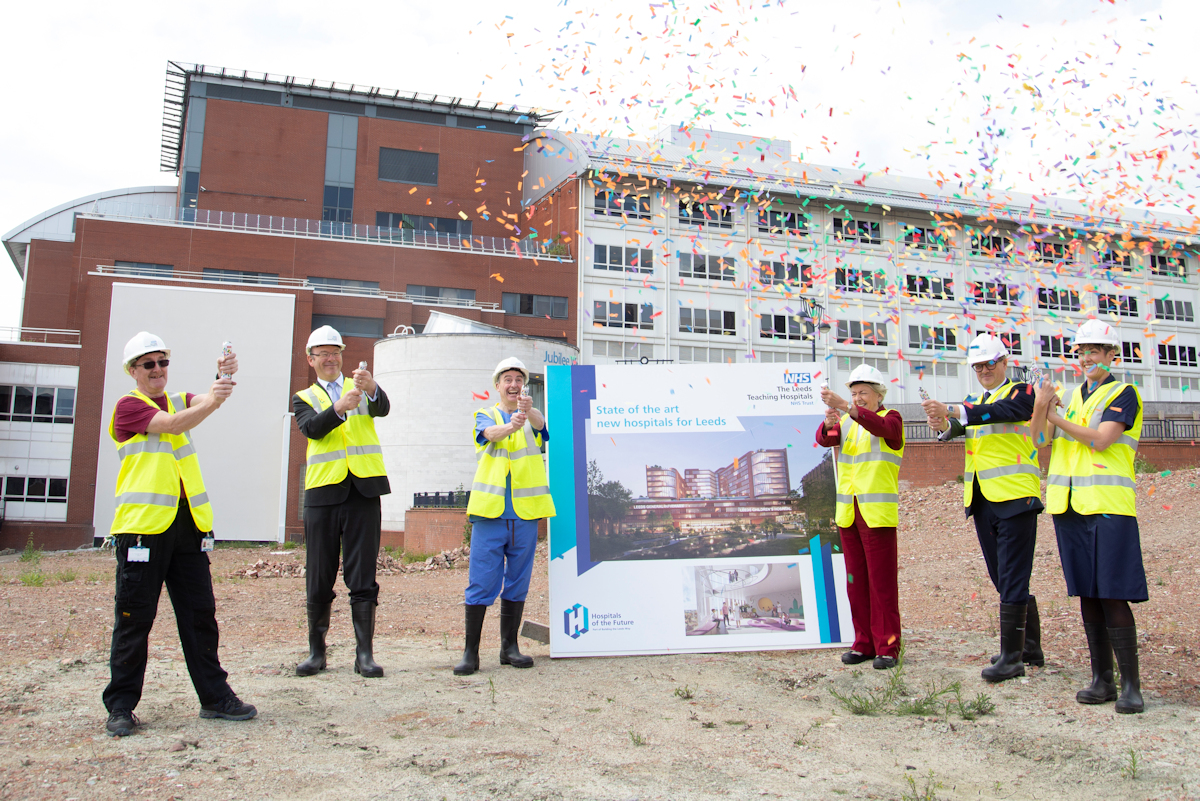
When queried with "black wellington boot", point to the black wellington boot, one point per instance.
{"points": [[363, 616], [1032, 654], [318, 627], [470, 658], [1124, 642], [1012, 643], [510, 623], [1102, 689]]}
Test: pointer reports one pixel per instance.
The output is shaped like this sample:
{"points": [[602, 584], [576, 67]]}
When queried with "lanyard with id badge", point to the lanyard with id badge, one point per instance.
{"points": [[137, 553]]}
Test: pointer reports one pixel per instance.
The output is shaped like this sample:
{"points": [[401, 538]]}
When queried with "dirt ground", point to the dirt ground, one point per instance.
{"points": [[756, 725]]}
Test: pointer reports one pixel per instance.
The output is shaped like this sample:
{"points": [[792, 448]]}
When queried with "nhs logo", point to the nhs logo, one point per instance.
{"points": [[575, 621], [796, 378]]}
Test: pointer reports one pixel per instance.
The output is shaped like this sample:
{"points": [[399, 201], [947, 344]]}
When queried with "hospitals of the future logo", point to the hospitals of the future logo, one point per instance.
{"points": [[575, 621]]}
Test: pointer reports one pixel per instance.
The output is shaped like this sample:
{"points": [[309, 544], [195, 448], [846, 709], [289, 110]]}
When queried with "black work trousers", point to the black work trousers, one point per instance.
{"points": [[352, 527], [175, 558], [1007, 545]]}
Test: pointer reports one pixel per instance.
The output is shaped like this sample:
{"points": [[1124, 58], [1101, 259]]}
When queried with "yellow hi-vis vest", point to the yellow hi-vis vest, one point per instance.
{"points": [[870, 471], [1094, 483], [152, 465], [495, 460], [352, 447], [1002, 457]]}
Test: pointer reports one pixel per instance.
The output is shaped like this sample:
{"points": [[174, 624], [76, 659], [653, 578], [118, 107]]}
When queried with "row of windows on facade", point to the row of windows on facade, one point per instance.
{"points": [[395, 165], [32, 404], [868, 232], [35, 490]]}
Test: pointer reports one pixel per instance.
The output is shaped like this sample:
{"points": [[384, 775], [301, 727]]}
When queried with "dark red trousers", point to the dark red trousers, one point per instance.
{"points": [[873, 586]]}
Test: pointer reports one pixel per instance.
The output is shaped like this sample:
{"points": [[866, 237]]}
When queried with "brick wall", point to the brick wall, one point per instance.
{"points": [[49, 284], [433, 530]]}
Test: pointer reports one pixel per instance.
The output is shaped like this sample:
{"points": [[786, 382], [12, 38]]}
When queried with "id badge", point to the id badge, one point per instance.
{"points": [[207, 543], [138, 553]]}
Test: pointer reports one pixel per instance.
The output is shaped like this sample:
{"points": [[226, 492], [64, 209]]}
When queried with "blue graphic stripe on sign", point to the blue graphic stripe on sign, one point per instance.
{"points": [[583, 391], [830, 610], [819, 585], [561, 451]]}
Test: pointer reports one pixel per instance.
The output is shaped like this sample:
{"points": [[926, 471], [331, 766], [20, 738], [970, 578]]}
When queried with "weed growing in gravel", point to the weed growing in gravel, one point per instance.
{"points": [[872, 702], [492, 688], [891, 698], [803, 738], [414, 556], [636, 738], [930, 702], [32, 578], [66, 576], [32, 554], [685, 692], [926, 793], [290, 545], [1131, 768]]}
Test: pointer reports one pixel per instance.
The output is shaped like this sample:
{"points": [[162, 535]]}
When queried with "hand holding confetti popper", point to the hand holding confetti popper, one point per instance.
{"points": [[226, 352]]}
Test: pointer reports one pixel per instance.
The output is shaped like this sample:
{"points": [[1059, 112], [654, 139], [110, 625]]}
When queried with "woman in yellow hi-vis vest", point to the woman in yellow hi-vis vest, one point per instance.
{"points": [[509, 495], [1090, 490], [868, 510], [160, 533]]}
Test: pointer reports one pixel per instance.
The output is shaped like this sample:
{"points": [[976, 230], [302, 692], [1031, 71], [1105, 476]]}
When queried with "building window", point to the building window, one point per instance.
{"points": [[1056, 345], [932, 337], [1171, 265], [622, 315], [1178, 310], [1122, 305], [1174, 382], [784, 272], [442, 295], [1177, 355], [1011, 341], [991, 246], [848, 363], [630, 260], [24, 404], [347, 286], [1131, 352], [240, 276], [143, 268], [35, 490], [995, 293], [622, 350], [938, 369], [1050, 252], [692, 355], [854, 332], [622, 205], [451, 226], [369, 327], [1115, 259], [339, 204], [714, 268], [783, 326], [770, 356], [924, 237], [707, 321], [932, 287], [786, 223], [1058, 299], [863, 232], [713, 215], [533, 305], [854, 279], [408, 166]]}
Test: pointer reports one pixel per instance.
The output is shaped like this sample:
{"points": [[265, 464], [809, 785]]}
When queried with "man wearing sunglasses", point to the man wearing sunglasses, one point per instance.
{"points": [[161, 530], [1002, 492]]}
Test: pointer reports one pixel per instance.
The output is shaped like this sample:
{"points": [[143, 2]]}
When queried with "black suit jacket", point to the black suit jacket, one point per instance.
{"points": [[317, 425]]}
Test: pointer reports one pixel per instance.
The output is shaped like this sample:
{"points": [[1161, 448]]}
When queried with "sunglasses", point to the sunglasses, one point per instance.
{"points": [[150, 364], [981, 366]]}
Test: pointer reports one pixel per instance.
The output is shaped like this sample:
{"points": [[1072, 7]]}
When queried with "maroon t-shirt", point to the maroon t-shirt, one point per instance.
{"points": [[889, 428], [134, 416]]}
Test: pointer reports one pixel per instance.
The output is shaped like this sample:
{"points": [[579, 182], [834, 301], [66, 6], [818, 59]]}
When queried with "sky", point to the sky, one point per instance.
{"points": [[1090, 99]]}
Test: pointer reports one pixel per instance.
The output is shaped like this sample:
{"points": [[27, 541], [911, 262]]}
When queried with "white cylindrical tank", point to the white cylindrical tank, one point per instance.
{"points": [[434, 381]]}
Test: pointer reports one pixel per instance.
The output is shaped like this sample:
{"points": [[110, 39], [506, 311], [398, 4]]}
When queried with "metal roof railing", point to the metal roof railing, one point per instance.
{"points": [[40, 336], [326, 229]]}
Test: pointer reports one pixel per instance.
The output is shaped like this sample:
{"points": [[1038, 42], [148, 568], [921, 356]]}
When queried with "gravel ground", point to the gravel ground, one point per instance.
{"points": [[755, 725]]}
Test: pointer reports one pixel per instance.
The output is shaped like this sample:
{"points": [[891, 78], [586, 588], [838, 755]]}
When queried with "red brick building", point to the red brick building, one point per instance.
{"points": [[370, 207]]}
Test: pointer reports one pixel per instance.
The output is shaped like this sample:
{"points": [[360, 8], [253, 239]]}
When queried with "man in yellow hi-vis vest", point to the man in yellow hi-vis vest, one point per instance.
{"points": [[161, 532], [509, 495], [1002, 486], [343, 480]]}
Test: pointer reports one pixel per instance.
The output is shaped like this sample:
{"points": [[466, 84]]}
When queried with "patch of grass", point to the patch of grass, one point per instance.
{"points": [[1132, 767], [93, 578], [874, 701], [636, 738], [708, 725], [236, 544], [977, 707], [735, 723], [290, 545], [930, 702], [66, 576], [685, 692], [32, 554], [1140, 465], [926, 793], [408, 557], [32, 578]]}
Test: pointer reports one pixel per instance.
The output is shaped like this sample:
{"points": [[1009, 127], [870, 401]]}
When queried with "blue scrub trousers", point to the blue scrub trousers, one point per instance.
{"points": [[501, 556]]}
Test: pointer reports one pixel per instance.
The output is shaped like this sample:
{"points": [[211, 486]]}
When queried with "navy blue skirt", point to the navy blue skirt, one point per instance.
{"points": [[1101, 556]]}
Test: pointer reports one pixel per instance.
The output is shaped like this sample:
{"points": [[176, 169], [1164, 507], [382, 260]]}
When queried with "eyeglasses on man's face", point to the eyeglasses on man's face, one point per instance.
{"points": [[988, 365], [150, 364]]}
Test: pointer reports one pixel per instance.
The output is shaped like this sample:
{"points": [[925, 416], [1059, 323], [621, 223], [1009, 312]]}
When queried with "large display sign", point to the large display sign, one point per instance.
{"points": [[695, 512]]}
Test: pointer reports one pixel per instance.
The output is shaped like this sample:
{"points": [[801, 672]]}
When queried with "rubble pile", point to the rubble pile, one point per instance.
{"points": [[386, 565]]}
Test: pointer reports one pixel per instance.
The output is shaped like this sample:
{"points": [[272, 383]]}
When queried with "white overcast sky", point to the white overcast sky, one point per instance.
{"points": [[912, 87]]}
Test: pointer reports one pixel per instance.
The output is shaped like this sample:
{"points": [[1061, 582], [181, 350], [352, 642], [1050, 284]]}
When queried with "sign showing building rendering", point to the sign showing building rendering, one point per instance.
{"points": [[695, 512]]}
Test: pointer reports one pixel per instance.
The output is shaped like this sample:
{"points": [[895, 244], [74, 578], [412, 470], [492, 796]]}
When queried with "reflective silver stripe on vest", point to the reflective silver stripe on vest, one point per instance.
{"points": [[493, 450], [313, 400], [968, 478], [152, 444], [1103, 481], [1058, 480], [874, 456], [331, 456], [185, 452], [198, 500], [491, 489], [529, 492], [983, 431], [870, 497], [147, 499], [179, 401], [1008, 470], [363, 450]]}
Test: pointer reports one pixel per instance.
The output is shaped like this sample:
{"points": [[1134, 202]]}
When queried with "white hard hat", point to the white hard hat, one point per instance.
{"points": [[511, 363], [986, 348], [144, 342], [325, 335], [1094, 332], [866, 374]]}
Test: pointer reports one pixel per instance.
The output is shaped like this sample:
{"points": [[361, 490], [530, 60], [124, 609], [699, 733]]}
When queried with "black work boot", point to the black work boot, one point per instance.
{"points": [[318, 627], [1124, 642], [1102, 689], [1012, 643], [469, 663], [363, 616], [510, 623], [1032, 654]]}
